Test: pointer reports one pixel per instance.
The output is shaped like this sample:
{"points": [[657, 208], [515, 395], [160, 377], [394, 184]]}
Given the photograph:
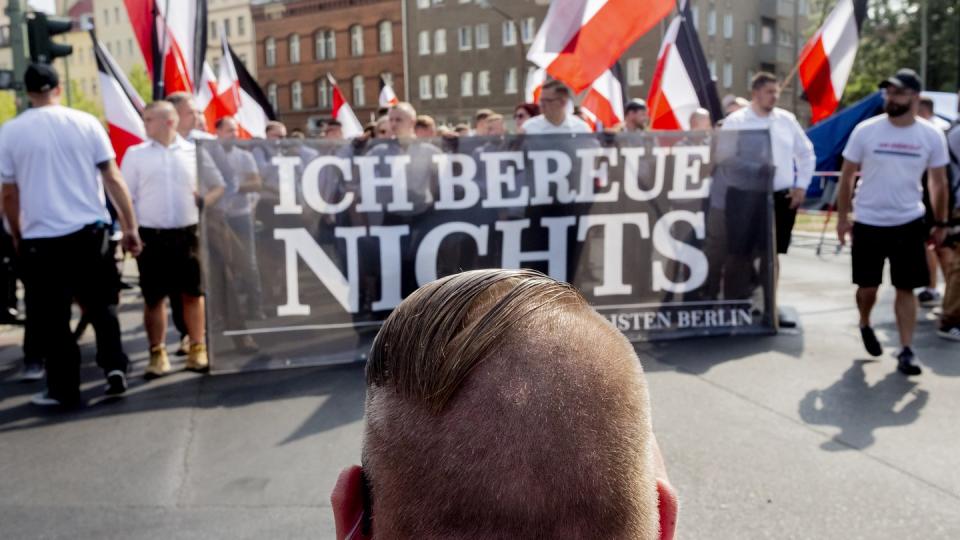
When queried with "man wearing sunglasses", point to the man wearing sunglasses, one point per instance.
{"points": [[556, 116], [501, 405], [892, 151]]}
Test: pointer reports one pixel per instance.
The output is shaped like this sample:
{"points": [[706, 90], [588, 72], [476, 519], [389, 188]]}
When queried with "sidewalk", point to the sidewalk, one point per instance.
{"points": [[794, 436]]}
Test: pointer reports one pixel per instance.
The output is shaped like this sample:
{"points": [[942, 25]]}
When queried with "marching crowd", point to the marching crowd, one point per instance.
{"points": [[67, 205]]}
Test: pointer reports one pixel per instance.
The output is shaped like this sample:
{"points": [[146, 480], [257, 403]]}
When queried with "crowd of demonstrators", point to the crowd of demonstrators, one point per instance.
{"points": [[502, 341], [892, 151], [55, 206]]}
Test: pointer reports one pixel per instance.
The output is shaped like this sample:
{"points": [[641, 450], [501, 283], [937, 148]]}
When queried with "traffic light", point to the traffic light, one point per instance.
{"points": [[40, 31]]}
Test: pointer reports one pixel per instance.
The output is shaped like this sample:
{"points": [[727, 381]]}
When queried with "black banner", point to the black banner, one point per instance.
{"points": [[667, 235]]}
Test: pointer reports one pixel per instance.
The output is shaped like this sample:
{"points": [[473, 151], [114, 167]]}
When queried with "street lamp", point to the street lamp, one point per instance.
{"points": [[486, 4]]}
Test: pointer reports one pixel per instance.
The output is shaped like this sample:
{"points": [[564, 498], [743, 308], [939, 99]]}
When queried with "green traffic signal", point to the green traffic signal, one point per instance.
{"points": [[40, 31]]}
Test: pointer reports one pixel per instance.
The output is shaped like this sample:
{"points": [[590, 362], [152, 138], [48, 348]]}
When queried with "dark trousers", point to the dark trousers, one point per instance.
{"points": [[58, 271]]}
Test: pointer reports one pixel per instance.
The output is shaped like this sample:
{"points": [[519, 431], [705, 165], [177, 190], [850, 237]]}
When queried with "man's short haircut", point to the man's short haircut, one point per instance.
{"points": [[493, 411], [557, 87], [424, 121], [482, 115], [700, 112], [272, 125], [407, 109], [636, 105], [179, 97], [334, 123], [926, 102], [221, 121], [161, 104], [762, 79]]}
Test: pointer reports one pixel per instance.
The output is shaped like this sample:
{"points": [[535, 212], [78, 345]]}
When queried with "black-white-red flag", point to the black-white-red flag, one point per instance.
{"points": [[122, 106]]}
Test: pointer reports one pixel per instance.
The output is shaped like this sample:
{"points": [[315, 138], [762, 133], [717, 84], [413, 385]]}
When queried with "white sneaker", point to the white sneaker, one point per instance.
{"points": [[43, 399], [33, 372]]}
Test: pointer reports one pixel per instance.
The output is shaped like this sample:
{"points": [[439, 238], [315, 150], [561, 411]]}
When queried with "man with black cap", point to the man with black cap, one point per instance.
{"points": [[636, 116], [56, 164], [892, 151]]}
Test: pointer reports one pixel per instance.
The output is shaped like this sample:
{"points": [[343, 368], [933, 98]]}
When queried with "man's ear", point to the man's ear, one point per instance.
{"points": [[347, 503], [669, 507]]}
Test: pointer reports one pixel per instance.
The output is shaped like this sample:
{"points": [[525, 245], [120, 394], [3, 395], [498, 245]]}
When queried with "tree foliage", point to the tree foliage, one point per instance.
{"points": [[141, 82], [8, 106]]}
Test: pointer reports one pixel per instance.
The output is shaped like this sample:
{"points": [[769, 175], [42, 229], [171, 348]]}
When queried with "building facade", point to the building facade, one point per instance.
{"points": [[299, 42], [464, 55], [113, 29], [235, 20]]}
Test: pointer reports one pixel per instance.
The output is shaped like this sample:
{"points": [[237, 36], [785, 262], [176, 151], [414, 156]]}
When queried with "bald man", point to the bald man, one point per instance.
{"points": [[492, 416], [162, 176]]}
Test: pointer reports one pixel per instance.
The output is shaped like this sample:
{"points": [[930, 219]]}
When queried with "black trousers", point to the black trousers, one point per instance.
{"points": [[58, 271]]}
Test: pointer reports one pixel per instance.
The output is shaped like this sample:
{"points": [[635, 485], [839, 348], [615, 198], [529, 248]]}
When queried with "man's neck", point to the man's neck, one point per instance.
{"points": [[760, 111], [904, 120], [166, 140], [185, 133], [558, 122]]}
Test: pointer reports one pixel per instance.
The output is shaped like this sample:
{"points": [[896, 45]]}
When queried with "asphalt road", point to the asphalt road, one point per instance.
{"points": [[794, 436]]}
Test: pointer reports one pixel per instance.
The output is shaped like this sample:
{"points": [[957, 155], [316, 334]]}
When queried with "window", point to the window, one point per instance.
{"points": [[440, 86], [356, 40], [423, 4], [786, 38], [272, 96], [510, 81], [482, 36], [712, 22], [466, 84], [296, 96], [728, 26], [106, 16], [386, 36], [751, 34], [483, 83], [241, 26], [528, 29], [727, 75], [465, 38], [425, 87], [767, 31], [295, 49], [358, 91], [270, 51], [634, 67], [213, 30], [713, 69], [323, 94], [226, 27], [116, 14], [440, 41], [424, 42], [324, 45], [509, 33]]}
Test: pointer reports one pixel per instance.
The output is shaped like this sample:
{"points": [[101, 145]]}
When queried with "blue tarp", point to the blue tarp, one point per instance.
{"points": [[830, 136]]}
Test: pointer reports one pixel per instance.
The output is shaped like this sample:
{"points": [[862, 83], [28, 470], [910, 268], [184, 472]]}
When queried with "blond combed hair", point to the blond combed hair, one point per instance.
{"points": [[500, 405]]}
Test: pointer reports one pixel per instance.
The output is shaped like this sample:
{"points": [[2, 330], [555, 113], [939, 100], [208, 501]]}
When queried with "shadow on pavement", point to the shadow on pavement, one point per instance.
{"points": [[699, 356], [859, 409], [933, 352], [341, 389]]}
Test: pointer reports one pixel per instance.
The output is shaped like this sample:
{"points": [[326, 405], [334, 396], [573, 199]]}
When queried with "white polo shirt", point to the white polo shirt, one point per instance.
{"points": [[539, 125], [162, 182], [892, 161], [790, 145], [51, 153]]}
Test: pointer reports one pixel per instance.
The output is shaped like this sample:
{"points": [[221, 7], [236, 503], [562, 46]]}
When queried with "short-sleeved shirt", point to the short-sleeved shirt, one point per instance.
{"points": [[540, 125], [51, 153], [243, 165], [892, 161], [163, 181]]}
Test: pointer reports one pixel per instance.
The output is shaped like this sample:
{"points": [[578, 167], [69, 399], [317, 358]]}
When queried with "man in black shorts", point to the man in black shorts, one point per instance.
{"points": [[892, 151], [162, 175]]}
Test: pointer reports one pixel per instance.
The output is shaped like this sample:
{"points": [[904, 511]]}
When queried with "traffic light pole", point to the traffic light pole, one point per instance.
{"points": [[18, 49]]}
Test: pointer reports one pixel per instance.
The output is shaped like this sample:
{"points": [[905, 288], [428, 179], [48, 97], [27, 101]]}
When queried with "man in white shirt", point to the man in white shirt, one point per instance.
{"points": [[554, 117], [56, 165], [892, 151], [239, 207], [162, 175], [793, 159]]}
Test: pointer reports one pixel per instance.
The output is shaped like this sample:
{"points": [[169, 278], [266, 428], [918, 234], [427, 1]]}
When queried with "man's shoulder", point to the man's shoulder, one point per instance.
{"points": [[735, 119], [537, 122], [577, 125], [137, 151], [784, 114], [870, 124], [929, 127]]}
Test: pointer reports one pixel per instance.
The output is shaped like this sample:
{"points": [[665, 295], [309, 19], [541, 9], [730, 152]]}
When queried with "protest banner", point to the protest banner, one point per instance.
{"points": [[668, 235]]}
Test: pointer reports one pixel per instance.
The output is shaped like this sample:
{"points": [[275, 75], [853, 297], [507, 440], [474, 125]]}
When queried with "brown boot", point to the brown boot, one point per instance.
{"points": [[159, 363], [197, 357]]}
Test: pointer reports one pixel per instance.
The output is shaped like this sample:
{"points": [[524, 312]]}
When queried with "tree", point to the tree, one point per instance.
{"points": [[141, 82], [82, 102]]}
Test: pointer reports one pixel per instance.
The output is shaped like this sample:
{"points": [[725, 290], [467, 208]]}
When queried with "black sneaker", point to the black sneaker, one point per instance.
{"points": [[907, 362], [116, 383], [870, 341], [929, 298], [950, 332]]}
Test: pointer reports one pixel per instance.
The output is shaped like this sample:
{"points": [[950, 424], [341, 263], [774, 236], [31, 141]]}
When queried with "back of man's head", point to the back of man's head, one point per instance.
{"points": [[500, 405]]}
